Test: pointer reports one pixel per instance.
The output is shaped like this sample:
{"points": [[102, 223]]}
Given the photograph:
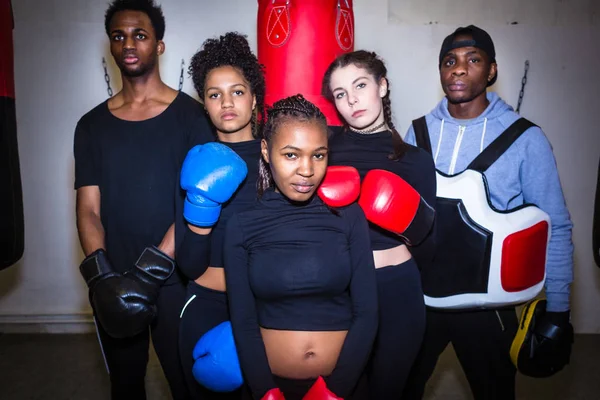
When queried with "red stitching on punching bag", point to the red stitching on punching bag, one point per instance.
{"points": [[297, 40], [278, 25], [344, 28]]}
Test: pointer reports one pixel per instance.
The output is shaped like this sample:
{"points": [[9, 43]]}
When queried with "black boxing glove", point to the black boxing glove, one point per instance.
{"points": [[125, 304]]}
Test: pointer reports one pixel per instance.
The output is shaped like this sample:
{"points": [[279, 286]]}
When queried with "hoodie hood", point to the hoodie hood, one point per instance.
{"points": [[456, 142]]}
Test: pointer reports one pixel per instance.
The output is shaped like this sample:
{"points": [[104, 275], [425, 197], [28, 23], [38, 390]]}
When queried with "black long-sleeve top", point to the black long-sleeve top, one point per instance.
{"points": [[198, 252], [300, 267], [371, 151]]}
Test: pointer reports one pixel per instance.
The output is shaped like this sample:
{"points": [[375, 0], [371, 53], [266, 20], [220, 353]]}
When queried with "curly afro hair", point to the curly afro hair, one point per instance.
{"points": [[153, 11], [231, 49]]}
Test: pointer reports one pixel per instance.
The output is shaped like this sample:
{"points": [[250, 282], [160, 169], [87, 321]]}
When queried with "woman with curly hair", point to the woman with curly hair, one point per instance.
{"points": [[230, 84], [299, 270]]}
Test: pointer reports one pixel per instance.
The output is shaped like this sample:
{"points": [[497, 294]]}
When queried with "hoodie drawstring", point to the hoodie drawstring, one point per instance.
{"points": [[439, 144], [457, 143], [483, 134], [461, 130]]}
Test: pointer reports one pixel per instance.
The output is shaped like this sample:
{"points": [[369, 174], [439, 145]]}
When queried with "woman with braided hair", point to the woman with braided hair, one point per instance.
{"points": [[230, 83], [299, 272], [398, 197]]}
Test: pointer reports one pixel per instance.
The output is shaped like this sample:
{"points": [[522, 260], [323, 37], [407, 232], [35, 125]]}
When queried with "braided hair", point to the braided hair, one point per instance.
{"points": [[294, 108], [370, 62], [231, 49]]}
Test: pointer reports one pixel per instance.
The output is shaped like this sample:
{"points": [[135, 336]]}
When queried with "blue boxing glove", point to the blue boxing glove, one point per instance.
{"points": [[211, 173], [216, 365]]}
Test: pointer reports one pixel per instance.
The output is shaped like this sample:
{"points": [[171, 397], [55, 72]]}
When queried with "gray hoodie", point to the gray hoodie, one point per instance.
{"points": [[525, 173]]}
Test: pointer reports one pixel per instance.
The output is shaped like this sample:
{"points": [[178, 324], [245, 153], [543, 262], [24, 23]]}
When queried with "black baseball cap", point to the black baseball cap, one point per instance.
{"points": [[479, 38]]}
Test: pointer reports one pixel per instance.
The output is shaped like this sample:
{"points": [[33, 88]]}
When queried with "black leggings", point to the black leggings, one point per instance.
{"points": [[204, 309], [481, 340], [401, 329], [126, 359]]}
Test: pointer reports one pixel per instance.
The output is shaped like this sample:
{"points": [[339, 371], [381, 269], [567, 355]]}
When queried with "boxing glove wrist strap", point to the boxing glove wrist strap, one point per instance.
{"points": [[95, 265], [155, 263], [421, 225], [203, 215]]}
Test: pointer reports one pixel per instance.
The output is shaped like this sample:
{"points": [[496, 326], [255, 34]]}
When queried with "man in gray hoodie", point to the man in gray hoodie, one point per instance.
{"points": [[461, 126]]}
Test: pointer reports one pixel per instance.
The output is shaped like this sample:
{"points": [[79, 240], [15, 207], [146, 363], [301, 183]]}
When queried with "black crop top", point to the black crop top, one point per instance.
{"points": [[300, 267], [198, 252], [370, 151]]}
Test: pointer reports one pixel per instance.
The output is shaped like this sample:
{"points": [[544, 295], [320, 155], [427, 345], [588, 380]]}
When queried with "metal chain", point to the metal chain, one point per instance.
{"points": [[523, 83], [181, 76], [107, 78]]}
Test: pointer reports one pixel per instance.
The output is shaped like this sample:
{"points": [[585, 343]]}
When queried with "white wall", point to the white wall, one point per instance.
{"points": [[58, 49]]}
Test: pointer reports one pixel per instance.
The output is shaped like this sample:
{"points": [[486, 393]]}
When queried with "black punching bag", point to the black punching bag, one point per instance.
{"points": [[11, 197], [596, 228]]}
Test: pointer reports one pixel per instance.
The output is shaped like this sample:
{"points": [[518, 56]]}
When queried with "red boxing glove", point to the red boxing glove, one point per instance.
{"points": [[319, 391], [273, 394], [340, 187], [390, 202]]}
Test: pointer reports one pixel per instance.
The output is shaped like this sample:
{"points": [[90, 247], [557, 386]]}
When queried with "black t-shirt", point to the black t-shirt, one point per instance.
{"points": [[136, 165], [300, 267], [371, 151]]}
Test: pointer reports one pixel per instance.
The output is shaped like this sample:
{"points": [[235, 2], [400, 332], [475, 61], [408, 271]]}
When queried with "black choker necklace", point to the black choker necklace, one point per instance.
{"points": [[370, 130]]}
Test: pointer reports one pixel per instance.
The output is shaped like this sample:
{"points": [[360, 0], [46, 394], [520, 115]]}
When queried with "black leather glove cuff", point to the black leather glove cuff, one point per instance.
{"points": [[95, 265], [421, 225], [559, 319], [156, 264]]}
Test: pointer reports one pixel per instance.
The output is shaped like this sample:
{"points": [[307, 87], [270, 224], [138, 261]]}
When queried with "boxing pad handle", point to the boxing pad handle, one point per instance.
{"points": [[548, 330]]}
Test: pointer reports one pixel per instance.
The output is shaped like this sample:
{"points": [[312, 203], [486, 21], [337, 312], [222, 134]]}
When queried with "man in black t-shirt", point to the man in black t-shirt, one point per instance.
{"points": [[128, 154]]}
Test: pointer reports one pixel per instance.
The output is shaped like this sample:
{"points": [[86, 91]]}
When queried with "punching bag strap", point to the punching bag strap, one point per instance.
{"points": [[344, 25], [493, 152], [278, 23], [422, 134]]}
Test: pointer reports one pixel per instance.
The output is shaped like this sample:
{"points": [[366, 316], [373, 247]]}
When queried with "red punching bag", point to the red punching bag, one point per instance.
{"points": [[11, 197], [297, 40]]}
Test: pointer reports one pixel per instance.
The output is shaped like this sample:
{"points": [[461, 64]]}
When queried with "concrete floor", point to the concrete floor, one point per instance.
{"points": [[57, 367]]}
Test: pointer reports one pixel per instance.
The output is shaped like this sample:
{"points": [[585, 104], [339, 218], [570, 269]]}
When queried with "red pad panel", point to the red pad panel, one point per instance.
{"points": [[7, 70], [524, 258], [297, 40]]}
